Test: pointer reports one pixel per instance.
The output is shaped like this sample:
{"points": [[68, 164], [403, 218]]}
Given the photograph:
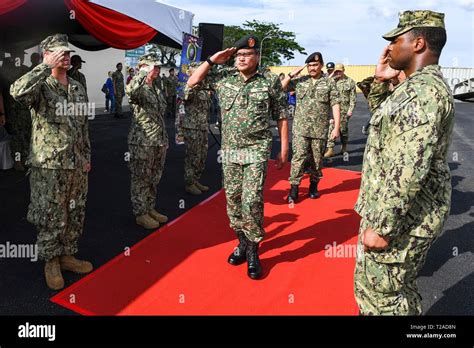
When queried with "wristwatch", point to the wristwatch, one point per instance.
{"points": [[291, 76], [211, 63]]}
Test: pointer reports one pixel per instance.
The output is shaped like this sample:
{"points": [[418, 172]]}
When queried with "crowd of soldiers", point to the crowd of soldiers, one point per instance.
{"points": [[405, 192]]}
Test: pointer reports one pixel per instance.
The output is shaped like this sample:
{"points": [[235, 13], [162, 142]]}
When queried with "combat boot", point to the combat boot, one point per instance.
{"points": [[313, 189], [329, 153], [147, 222], [239, 256], [343, 149], [254, 268], [70, 263], [52, 273], [344, 141], [158, 217], [193, 190], [201, 187], [294, 192]]}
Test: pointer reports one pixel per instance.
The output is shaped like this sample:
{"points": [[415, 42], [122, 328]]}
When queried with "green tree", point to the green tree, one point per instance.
{"points": [[278, 46]]}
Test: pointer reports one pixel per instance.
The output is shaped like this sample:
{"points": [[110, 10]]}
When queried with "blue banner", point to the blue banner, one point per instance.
{"points": [[192, 49]]}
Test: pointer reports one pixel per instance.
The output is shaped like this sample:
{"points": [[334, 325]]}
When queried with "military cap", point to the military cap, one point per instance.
{"points": [[339, 67], [56, 42], [314, 57], [415, 19], [330, 65], [76, 58], [248, 41], [150, 58]]}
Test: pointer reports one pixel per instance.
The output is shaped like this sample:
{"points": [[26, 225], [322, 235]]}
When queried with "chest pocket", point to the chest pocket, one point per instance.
{"points": [[375, 133], [228, 96], [259, 99], [322, 94], [406, 114]]}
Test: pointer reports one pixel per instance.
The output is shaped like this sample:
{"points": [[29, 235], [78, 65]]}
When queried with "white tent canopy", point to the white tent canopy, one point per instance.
{"points": [[167, 20]]}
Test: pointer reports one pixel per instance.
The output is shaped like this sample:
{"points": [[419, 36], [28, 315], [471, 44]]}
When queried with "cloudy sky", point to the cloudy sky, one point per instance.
{"points": [[343, 31]]}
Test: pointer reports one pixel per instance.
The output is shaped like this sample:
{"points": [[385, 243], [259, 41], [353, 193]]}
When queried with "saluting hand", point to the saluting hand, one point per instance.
{"points": [[384, 72], [53, 59], [298, 71], [223, 56]]}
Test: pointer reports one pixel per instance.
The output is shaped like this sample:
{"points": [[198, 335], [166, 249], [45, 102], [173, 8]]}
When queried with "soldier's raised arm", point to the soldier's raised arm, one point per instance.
{"points": [[218, 58], [286, 82], [379, 90], [133, 89], [26, 89]]}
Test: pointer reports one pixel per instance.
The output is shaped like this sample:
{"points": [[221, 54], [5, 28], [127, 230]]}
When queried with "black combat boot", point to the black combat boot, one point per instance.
{"points": [[313, 189], [239, 256], [254, 269], [293, 196]]}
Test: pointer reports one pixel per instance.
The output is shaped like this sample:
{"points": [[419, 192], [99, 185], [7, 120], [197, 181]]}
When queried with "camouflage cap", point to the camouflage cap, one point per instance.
{"points": [[339, 67], [415, 19], [56, 42], [150, 58]]}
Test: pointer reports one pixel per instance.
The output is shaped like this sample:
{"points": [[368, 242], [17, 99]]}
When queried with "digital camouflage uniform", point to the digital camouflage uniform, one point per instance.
{"points": [[347, 92], [18, 115], [311, 123], [75, 74], [118, 81], [197, 104], [60, 149], [147, 142], [171, 84], [247, 109], [405, 192]]}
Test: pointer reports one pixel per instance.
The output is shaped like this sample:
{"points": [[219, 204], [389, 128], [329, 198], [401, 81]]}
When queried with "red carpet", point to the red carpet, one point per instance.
{"points": [[181, 269]]}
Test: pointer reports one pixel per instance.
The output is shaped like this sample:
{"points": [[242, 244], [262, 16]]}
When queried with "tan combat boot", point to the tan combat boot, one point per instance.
{"points": [[52, 273], [70, 263], [147, 221], [193, 190], [329, 153], [158, 217], [201, 187]]}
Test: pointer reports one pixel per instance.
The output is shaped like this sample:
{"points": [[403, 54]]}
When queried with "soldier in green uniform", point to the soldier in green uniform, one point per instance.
{"points": [[147, 142], [197, 105], [316, 96], [249, 100], [74, 73], [171, 84], [347, 92], [59, 158], [119, 89], [18, 116], [405, 193]]}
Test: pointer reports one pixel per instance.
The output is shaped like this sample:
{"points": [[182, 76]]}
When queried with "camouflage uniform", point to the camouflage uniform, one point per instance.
{"points": [[347, 92], [171, 84], [311, 123], [118, 81], [147, 142], [247, 108], [18, 115], [60, 150], [197, 103], [406, 189], [75, 74]]}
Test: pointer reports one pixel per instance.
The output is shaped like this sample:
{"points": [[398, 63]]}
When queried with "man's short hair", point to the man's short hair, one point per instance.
{"points": [[435, 37], [172, 69], [118, 65]]}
